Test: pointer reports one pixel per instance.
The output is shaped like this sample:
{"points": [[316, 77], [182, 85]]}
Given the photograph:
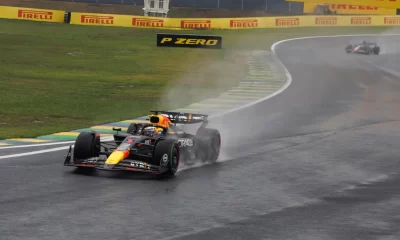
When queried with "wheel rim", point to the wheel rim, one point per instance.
{"points": [[175, 160]]}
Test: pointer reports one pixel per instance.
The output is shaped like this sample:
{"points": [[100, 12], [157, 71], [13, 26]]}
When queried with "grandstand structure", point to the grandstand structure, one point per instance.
{"points": [[156, 8], [269, 6]]}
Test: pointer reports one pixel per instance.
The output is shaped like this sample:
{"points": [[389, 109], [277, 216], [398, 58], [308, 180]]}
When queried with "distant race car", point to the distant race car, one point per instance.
{"points": [[364, 48], [157, 147]]}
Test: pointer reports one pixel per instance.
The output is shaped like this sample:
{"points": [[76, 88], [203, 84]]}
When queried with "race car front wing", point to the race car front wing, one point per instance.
{"points": [[100, 164]]}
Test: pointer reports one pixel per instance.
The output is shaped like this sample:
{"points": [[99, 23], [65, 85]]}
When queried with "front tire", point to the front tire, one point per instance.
{"points": [[132, 129], [87, 145], [349, 48], [167, 154]]}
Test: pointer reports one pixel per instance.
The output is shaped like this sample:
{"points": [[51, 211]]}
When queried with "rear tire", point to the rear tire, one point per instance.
{"points": [[377, 50], [209, 144], [167, 154]]}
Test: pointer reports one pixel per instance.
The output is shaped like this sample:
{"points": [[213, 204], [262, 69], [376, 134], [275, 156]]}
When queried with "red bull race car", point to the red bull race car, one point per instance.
{"points": [[364, 48], [157, 147]]}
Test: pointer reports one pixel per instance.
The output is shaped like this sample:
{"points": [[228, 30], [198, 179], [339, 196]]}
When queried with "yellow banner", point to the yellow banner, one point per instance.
{"points": [[95, 19], [152, 22], [232, 23], [92, 19], [43, 15], [350, 9], [390, 4]]}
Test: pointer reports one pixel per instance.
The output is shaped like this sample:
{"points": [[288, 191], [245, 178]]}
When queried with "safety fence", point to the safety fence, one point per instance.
{"points": [[347, 9], [263, 5], [191, 23]]}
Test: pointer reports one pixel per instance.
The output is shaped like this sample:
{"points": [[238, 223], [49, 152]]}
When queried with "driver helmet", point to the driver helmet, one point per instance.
{"points": [[152, 131], [149, 131]]}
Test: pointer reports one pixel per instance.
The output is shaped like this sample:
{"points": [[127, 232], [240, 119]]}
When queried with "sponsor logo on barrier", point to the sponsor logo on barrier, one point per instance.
{"points": [[361, 20], [196, 24], [33, 14], [188, 40], [248, 23], [96, 19], [351, 7], [287, 22], [146, 22], [392, 20], [326, 20], [191, 41]]}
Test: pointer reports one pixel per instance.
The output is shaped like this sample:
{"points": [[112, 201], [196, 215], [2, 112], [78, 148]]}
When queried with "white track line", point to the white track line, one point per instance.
{"points": [[284, 87], [48, 144], [37, 145], [34, 152], [287, 73]]}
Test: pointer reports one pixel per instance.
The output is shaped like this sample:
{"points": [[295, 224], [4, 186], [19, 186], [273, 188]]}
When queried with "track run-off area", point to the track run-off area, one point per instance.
{"points": [[316, 160]]}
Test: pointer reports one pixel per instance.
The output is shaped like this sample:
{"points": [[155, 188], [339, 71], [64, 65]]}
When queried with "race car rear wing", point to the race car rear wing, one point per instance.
{"points": [[183, 118]]}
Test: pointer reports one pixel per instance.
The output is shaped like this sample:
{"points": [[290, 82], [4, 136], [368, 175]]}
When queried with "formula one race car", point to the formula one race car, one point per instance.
{"points": [[364, 48], [156, 147]]}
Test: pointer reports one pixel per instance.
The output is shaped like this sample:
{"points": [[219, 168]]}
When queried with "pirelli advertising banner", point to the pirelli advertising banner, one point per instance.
{"points": [[189, 41], [331, 21], [43, 15], [91, 19], [220, 23], [174, 23], [94, 19]]}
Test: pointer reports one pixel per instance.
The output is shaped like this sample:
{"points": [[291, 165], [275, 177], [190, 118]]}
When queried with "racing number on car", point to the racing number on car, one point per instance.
{"points": [[185, 142]]}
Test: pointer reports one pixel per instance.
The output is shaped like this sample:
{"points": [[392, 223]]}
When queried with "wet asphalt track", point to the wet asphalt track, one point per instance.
{"points": [[319, 161]]}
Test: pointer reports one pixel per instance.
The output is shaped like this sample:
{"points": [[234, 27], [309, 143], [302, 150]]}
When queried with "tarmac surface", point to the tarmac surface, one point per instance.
{"points": [[318, 161]]}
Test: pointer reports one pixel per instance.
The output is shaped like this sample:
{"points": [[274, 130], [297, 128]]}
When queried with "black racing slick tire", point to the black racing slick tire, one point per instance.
{"points": [[166, 153], [209, 144], [377, 50], [349, 48], [87, 145], [132, 128]]}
